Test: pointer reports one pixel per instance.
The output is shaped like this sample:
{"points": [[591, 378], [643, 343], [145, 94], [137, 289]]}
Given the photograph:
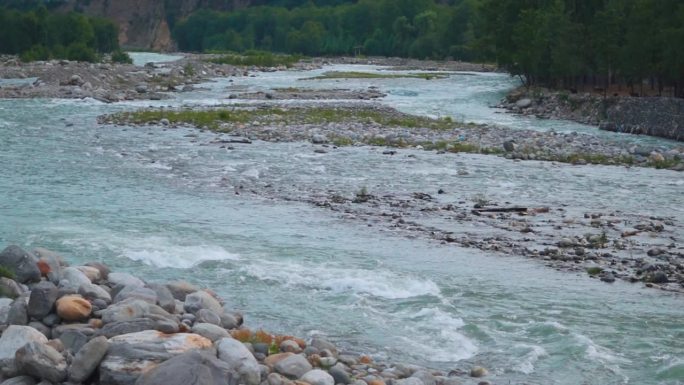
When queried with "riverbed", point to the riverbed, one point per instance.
{"points": [[164, 204]]}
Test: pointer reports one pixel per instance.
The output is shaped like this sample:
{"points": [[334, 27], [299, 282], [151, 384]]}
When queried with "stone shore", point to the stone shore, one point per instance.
{"points": [[85, 324], [654, 116]]}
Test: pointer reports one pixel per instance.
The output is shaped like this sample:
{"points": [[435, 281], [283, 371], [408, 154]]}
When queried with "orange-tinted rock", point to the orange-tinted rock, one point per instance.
{"points": [[73, 308], [44, 267], [365, 360], [376, 382], [315, 360], [273, 359], [95, 323]]}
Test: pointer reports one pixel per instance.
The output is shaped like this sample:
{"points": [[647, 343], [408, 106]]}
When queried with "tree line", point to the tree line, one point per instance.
{"points": [[578, 43], [557, 43], [411, 28], [40, 35]]}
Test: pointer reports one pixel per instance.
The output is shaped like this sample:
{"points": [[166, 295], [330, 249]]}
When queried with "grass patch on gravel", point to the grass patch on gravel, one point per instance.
{"points": [[374, 75], [221, 119]]}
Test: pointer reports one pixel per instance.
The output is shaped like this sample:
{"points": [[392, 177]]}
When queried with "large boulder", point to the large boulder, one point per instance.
{"points": [[87, 359], [181, 289], [12, 340], [92, 292], [293, 367], [126, 311], [210, 331], [113, 329], [202, 300], [22, 263], [42, 361], [130, 355], [191, 368], [136, 292], [124, 279], [42, 299], [240, 360], [164, 297], [208, 316], [73, 340], [73, 308], [318, 377], [75, 277]]}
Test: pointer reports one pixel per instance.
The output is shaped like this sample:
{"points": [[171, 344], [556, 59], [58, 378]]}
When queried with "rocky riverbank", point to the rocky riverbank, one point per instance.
{"points": [[654, 116], [605, 245], [88, 325], [113, 82]]}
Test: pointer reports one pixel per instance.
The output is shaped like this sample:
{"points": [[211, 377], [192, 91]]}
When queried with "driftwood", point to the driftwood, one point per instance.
{"points": [[519, 210]]}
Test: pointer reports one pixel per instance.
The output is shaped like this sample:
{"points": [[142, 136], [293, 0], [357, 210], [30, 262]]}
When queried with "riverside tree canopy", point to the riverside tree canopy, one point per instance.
{"points": [[40, 35], [557, 43]]}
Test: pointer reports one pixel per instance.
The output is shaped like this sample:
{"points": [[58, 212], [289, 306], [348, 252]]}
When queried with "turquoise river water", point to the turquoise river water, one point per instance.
{"points": [[154, 203]]}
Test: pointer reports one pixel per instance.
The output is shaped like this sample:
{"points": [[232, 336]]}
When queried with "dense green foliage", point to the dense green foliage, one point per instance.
{"points": [[40, 35], [571, 43], [416, 28], [558, 43]]}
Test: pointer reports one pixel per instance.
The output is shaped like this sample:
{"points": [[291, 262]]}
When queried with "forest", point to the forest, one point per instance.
{"points": [[569, 44], [40, 35]]}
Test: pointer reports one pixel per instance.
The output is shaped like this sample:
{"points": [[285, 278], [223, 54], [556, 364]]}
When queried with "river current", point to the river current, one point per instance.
{"points": [[162, 204]]}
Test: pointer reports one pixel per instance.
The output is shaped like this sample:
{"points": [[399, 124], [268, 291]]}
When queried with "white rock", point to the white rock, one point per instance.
{"points": [[318, 377]]}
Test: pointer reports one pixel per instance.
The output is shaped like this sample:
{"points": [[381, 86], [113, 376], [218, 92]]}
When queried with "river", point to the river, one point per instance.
{"points": [[158, 204]]}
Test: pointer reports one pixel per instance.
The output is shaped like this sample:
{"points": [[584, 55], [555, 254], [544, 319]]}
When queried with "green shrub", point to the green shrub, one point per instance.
{"points": [[80, 52], [119, 56], [37, 52]]}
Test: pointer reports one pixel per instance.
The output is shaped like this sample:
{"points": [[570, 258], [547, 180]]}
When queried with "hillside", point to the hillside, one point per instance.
{"points": [[147, 24]]}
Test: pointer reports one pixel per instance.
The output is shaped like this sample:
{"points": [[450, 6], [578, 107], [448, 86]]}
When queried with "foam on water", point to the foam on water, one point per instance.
{"points": [[435, 333], [177, 256], [384, 284], [159, 251], [526, 365]]}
